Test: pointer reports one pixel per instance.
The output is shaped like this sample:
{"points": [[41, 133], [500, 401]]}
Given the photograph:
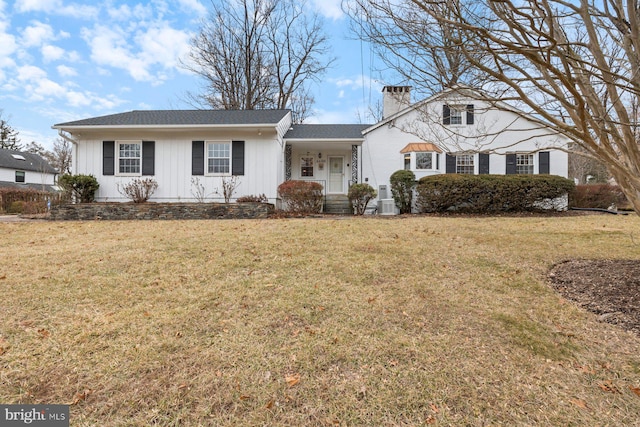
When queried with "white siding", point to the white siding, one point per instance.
{"points": [[498, 132], [173, 165], [30, 177]]}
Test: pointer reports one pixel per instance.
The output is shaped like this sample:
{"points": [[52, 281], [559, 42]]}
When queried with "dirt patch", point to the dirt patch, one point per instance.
{"points": [[609, 288]]}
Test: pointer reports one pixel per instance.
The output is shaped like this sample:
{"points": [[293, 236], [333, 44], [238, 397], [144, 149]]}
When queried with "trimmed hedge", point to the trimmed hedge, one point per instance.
{"points": [[301, 196], [597, 196], [489, 193], [25, 200]]}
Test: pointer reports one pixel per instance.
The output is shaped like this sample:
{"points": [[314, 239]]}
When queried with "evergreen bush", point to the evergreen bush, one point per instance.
{"points": [[402, 184], [360, 195], [489, 193]]}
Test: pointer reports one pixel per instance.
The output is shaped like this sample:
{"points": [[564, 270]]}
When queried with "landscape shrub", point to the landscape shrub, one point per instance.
{"points": [[489, 193], [402, 184], [597, 196], [81, 187], [360, 195], [138, 190], [301, 196], [10, 195], [253, 199], [16, 207]]}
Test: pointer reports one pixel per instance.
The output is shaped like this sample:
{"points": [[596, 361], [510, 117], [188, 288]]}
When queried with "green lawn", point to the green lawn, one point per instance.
{"points": [[361, 321]]}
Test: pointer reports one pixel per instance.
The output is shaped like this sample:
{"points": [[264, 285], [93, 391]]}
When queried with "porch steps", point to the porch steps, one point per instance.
{"points": [[337, 204]]}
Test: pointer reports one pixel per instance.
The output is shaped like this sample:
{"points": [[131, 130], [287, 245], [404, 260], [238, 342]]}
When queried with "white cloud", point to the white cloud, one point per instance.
{"points": [[57, 7], [159, 45], [65, 71], [36, 34], [329, 8], [194, 5], [52, 53]]}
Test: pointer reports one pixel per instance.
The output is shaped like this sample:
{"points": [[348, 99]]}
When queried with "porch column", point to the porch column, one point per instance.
{"points": [[354, 164], [288, 151]]}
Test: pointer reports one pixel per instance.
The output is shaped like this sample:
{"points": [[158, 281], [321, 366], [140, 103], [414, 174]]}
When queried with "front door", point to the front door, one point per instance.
{"points": [[336, 175]]}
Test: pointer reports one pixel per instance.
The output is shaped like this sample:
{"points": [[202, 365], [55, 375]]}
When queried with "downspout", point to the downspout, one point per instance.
{"points": [[69, 138]]}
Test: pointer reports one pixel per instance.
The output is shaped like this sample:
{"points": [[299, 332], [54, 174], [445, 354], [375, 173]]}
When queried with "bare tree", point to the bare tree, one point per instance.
{"points": [[8, 136], [573, 66], [60, 158], [256, 54]]}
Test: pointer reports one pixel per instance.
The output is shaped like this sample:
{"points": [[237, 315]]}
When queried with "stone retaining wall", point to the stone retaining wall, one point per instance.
{"points": [[132, 211]]}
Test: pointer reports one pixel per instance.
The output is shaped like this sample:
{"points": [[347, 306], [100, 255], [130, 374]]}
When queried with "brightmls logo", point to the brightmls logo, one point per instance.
{"points": [[34, 415]]}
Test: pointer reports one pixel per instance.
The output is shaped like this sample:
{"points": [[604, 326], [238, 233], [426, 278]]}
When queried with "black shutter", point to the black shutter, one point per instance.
{"points": [[108, 157], [148, 157], [470, 114], [237, 158], [511, 164], [446, 115], [483, 163], [544, 162], [197, 158], [450, 163]]}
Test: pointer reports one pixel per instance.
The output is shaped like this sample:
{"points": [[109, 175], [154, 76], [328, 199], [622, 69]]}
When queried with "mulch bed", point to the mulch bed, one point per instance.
{"points": [[609, 288]]}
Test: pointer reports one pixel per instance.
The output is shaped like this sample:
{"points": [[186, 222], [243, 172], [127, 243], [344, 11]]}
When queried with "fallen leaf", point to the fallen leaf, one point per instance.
{"points": [[579, 403], [636, 390], [434, 408], [270, 404], [608, 387], [244, 397], [4, 276], [430, 420], [43, 333], [587, 370], [181, 386], [292, 379], [81, 396]]}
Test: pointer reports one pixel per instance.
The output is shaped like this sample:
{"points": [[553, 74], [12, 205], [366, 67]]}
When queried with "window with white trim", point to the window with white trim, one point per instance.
{"points": [[465, 164], [407, 161], [306, 166], [455, 115], [427, 160], [524, 164], [20, 175], [219, 157], [129, 157]]}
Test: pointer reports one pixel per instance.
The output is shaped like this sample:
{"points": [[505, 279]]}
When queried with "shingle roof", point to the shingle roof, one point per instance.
{"points": [[38, 187], [340, 131], [183, 117], [31, 162]]}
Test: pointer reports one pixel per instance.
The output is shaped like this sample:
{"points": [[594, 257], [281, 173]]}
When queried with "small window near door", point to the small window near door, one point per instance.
{"points": [[306, 166], [20, 176]]}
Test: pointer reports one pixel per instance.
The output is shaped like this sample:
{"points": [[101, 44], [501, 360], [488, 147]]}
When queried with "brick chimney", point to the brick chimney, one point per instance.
{"points": [[394, 99]]}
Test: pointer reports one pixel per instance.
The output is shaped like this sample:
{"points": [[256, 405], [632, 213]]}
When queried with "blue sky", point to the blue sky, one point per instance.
{"points": [[64, 60]]}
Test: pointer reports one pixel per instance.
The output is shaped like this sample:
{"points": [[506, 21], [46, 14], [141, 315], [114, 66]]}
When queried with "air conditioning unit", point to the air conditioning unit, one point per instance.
{"points": [[382, 192], [387, 207]]}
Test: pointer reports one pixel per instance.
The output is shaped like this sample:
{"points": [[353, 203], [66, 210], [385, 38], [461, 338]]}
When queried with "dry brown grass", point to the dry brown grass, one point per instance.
{"points": [[412, 321]]}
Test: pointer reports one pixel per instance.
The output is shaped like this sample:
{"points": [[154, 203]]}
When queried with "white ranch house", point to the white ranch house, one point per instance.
{"points": [[452, 132]]}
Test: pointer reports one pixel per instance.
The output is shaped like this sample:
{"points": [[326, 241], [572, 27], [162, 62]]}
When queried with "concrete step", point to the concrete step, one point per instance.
{"points": [[337, 204]]}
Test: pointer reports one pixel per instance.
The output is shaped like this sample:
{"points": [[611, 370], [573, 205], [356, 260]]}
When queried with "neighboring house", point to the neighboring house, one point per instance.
{"points": [[185, 151], [20, 169]]}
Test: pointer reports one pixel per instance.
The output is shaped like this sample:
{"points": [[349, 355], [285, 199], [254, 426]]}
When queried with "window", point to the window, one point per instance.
{"points": [[306, 166], [464, 164], [20, 176], [524, 164], [18, 157], [129, 158], [455, 116], [425, 160], [407, 161], [218, 157]]}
